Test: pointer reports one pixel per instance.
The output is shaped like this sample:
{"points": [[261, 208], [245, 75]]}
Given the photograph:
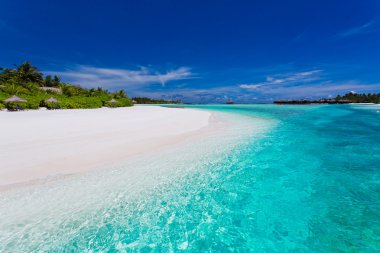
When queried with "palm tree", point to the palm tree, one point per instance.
{"points": [[26, 72], [48, 81], [13, 88], [6, 74], [56, 81], [120, 94]]}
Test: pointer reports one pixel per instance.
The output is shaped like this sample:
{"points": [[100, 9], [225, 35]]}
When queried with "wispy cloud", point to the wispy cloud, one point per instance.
{"points": [[220, 94], [144, 81], [305, 84], [89, 76], [286, 79], [368, 27], [323, 89], [198, 95], [283, 85], [301, 35]]}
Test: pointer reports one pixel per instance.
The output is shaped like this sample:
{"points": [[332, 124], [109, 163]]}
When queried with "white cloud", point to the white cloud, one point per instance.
{"points": [[215, 94], [88, 76], [266, 94], [302, 84], [322, 89], [286, 79], [250, 86], [306, 84]]}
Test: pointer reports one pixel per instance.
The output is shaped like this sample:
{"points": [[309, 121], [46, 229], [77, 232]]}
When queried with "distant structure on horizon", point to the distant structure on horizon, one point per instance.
{"points": [[230, 102], [320, 101]]}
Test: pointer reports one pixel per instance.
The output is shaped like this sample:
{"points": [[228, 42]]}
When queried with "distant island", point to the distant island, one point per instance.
{"points": [[348, 98]]}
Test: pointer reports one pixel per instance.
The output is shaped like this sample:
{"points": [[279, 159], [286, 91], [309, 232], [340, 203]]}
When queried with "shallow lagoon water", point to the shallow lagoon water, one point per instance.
{"points": [[283, 179]]}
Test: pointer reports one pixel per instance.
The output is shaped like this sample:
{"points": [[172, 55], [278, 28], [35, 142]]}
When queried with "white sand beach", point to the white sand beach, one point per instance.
{"points": [[39, 144]]}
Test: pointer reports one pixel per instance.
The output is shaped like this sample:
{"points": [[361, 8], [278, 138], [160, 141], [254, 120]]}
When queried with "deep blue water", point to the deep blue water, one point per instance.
{"points": [[311, 183]]}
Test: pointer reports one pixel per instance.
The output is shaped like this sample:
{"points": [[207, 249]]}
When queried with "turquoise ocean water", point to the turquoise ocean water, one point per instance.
{"points": [[308, 182]]}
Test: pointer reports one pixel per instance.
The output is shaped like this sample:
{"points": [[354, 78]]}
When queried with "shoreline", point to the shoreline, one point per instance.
{"points": [[55, 208], [77, 151]]}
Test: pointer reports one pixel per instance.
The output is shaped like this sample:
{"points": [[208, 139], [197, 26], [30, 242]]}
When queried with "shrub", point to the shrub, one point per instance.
{"points": [[12, 106], [121, 102], [87, 102], [51, 105]]}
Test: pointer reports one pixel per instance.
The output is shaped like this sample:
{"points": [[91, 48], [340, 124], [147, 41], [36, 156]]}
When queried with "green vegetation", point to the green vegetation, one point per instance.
{"points": [[345, 99], [144, 100], [360, 98], [28, 83]]}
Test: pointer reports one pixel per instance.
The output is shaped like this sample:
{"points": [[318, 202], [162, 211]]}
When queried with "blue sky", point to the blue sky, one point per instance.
{"points": [[200, 51]]}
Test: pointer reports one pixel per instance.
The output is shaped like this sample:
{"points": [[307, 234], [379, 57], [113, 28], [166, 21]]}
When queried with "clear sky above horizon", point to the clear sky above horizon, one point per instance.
{"points": [[200, 51]]}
